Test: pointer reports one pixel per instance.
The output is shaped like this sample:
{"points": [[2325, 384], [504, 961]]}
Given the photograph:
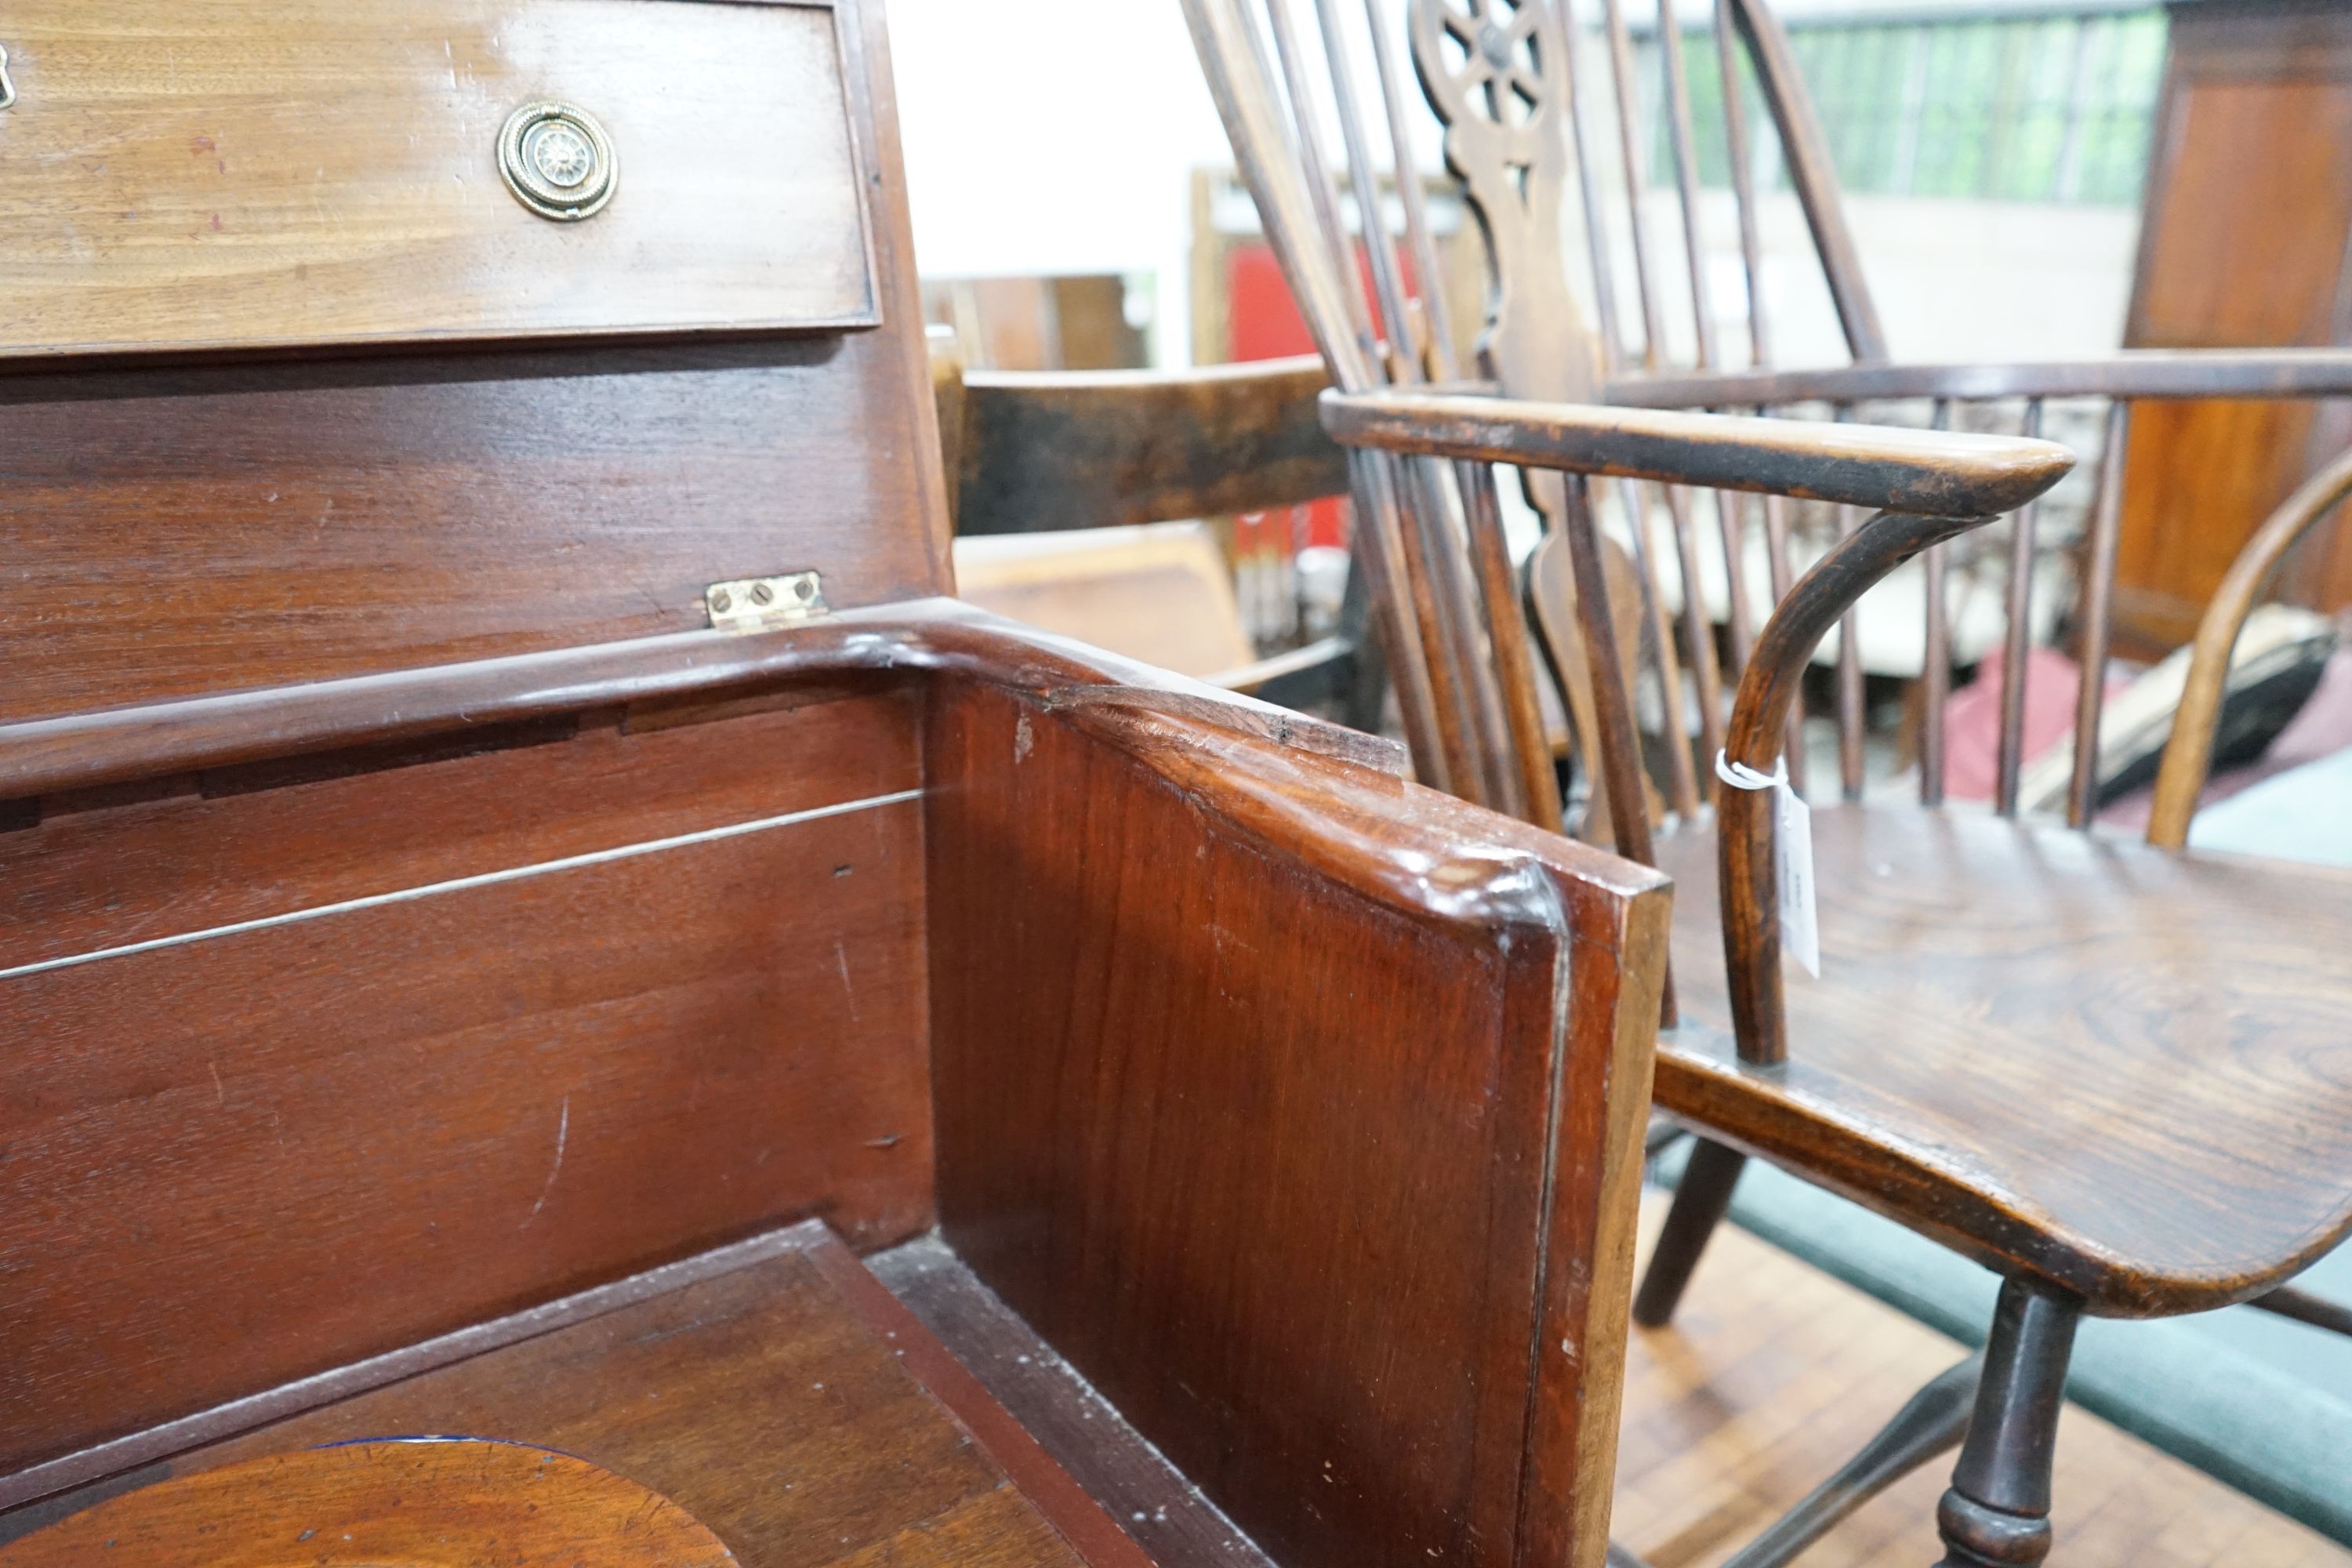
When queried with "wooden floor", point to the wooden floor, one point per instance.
{"points": [[1774, 1374]]}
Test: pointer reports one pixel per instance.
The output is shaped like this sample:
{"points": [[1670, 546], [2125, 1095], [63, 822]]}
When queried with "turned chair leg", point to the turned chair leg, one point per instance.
{"points": [[1699, 1203], [1996, 1513]]}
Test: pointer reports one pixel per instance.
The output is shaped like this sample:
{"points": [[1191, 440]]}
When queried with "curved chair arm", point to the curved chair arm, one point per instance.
{"points": [[2197, 373], [1759, 716], [2188, 755], [1872, 465]]}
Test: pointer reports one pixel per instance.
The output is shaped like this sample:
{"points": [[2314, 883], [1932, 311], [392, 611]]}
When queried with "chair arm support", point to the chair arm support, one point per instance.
{"points": [[1745, 834], [1869, 466], [2140, 373]]}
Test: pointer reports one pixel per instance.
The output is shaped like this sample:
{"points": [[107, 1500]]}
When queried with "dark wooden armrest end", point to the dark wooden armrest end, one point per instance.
{"points": [[1885, 469]]}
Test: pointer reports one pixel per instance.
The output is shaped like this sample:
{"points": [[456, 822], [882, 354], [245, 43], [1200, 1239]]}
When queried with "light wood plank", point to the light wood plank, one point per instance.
{"points": [[1773, 1373], [221, 173]]}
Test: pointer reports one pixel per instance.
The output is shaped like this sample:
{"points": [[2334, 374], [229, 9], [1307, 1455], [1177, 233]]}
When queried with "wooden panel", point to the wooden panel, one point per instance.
{"points": [[171, 534], [192, 853], [2243, 244], [400, 1499], [1263, 1147], [1081, 449], [226, 173], [247, 1158], [1774, 1374], [1154, 1500], [941, 636], [2074, 1060], [790, 1405]]}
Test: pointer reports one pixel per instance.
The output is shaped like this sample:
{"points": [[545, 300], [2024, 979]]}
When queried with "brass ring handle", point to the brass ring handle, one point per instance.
{"points": [[557, 160]]}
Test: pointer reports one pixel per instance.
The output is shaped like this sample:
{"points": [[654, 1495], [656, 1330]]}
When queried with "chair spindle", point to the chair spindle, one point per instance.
{"points": [[1419, 237], [1628, 142], [1681, 140], [1427, 515], [1588, 185], [1776, 558], [2098, 596], [1935, 663], [2017, 648], [1851, 711], [1743, 184]]}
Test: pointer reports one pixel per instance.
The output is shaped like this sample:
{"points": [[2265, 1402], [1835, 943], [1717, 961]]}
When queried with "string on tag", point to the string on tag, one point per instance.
{"points": [[1792, 848], [1739, 776]]}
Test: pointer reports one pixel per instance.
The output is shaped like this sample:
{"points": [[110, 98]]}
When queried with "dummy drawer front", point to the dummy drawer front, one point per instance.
{"points": [[187, 176]]}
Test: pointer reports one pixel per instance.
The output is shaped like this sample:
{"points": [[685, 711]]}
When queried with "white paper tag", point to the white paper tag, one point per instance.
{"points": [[1800, 932], [1792, 857]]}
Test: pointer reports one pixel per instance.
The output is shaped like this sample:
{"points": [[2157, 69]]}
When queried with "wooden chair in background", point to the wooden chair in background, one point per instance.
{"points": [[521, 894], [2112, 1074], [1065, 451]]}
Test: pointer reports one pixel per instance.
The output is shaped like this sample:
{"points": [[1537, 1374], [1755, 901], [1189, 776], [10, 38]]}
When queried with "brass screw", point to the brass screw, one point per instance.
{"points": [[762, 594], [721, 601], [805, 588]]}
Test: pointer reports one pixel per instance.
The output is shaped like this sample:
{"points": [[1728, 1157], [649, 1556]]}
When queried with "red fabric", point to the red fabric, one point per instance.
{"points": [[1972, 720], [1972, 731], [1262, 322]]}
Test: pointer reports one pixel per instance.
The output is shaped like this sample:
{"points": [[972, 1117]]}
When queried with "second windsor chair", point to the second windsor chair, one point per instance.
{"points": [[2119, 1076]]}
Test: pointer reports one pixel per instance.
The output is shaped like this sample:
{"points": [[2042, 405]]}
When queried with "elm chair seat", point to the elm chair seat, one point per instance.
{"points": [[2124, 1070]]}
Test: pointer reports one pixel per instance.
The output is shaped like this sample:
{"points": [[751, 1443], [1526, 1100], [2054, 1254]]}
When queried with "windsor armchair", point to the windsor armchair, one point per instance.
{"points": [[518, 879], [2115, 1074]]}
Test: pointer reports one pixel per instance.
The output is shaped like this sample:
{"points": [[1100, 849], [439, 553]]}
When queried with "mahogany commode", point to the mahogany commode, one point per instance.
{"points": [[515, 874]]}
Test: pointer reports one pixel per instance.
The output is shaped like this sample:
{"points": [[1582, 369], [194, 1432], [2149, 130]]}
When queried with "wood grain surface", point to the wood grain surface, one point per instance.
{"points": [[102, 868], [418, 1504], [709, 670], [1932, 472], [171, 534], [1774, 1374], [1295, 1106], [413, 1111], [2136, 374], [227, 174], [2114, 1068], [1156, 1503], [771, 1403], [1091, 449], [2243, 242]]}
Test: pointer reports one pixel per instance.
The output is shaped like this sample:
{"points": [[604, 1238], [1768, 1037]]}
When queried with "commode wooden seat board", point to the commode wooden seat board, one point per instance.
{"points": [[515, 873]]}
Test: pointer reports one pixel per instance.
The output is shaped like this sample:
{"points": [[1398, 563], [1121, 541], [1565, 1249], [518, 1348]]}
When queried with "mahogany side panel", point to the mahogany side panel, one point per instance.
{"points": [[244, 1159], [1275, 1095], [176, 532], [149, 860]]}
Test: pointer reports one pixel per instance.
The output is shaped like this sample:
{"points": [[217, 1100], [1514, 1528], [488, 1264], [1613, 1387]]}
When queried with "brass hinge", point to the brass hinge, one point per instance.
{"points": [[756, 604]]}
